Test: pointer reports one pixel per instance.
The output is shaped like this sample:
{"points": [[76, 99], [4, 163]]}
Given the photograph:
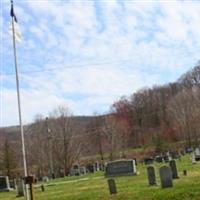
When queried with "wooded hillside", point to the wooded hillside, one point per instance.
{"points": [[157, 117]]}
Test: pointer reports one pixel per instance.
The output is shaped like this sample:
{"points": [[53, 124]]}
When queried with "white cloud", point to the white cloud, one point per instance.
{"points": [[121, 48]]}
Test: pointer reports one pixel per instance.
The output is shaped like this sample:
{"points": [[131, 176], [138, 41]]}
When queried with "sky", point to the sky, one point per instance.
{"points": [[87, 54]]}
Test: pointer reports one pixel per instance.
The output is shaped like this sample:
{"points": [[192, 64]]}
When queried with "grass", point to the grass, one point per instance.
{"points": [[94, 186]]}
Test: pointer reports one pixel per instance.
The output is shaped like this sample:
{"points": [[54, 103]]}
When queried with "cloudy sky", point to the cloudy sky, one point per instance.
{"points": [[87, 54]]}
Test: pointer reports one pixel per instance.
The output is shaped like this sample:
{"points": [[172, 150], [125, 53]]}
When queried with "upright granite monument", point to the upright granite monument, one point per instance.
{"points": [[120, 168]]}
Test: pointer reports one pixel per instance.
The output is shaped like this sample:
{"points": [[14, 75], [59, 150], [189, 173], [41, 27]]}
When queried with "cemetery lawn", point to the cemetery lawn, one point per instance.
{"points": [[94, 186]]}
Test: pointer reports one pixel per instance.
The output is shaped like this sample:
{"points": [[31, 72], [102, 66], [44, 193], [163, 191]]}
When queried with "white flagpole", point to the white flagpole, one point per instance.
{"points": [[19, 103]]}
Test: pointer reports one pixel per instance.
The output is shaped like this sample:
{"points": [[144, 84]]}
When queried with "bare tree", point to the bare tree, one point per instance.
{"points": [[67, 145]]}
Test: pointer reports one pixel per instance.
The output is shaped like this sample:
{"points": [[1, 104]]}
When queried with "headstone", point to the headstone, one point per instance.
{"points": [[159, 159], [90, 168], [135, 161], [185, 172], [120, 168], [166, 177], [197, 151], [193, 158], [13, 183], [96, 165], [166, 158], [148, 161], [175, 155], [172, 164], [45, 179], [112, 186], [82, 170], [101, 167], [188, 149], [197, 154], [20, 187], [4, 184], [151, 175], [42, 188]]}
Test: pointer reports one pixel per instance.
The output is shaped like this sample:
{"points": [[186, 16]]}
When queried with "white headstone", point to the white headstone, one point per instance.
{"points": [[193, 158], [20, 187], [197, 152]]}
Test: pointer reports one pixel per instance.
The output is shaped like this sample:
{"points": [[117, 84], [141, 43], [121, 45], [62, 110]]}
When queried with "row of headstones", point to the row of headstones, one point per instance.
{"points": [[77, 170], [167, 174], [162, 158], [7, 185]]}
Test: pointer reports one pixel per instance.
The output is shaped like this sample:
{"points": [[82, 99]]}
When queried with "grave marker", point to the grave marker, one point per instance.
{"points": [[120, 168], [151, 175], [20, 187], [4, 184], [166, 177], [172, 164], [112, 186]]}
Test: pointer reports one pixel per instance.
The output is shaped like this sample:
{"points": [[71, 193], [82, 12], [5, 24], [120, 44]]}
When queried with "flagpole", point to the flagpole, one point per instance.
{"points": [[19, 102]]}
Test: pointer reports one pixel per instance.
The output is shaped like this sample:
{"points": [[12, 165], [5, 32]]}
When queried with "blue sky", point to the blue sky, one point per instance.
{"points": [[87, 54]]}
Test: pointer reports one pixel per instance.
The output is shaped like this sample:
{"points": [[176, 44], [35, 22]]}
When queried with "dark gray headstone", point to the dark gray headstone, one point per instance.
{"points": [[151, 175], [112, 186], [90, 168], [42, 188], [166, 177], [172, 164], [120, 168], [148, 161], [4, 183], [159, 159], [166, 158], [82, 170], [13, 183]]}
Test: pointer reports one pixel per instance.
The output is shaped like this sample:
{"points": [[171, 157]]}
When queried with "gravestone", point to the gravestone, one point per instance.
{"points": [[112, 186], [42, 188], [120, 168], [96, 166], [197, 154], [4, 184], [135, 161], [20, 187], [45, 179], [148, 161], [193, 158], [188, 149], [82, 170], [175, 155], [166, 177], [159, 159], [90, 168], [13, 183], [151, 175], [166, 158], [185, 172], [172, 164], [101, 167]]}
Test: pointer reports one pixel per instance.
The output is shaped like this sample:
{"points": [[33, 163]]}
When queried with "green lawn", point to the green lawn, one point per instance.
{"points": [[94, 186]]}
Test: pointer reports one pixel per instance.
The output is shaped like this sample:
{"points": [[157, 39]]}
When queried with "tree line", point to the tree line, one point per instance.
{"points": [[157, 117]]}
